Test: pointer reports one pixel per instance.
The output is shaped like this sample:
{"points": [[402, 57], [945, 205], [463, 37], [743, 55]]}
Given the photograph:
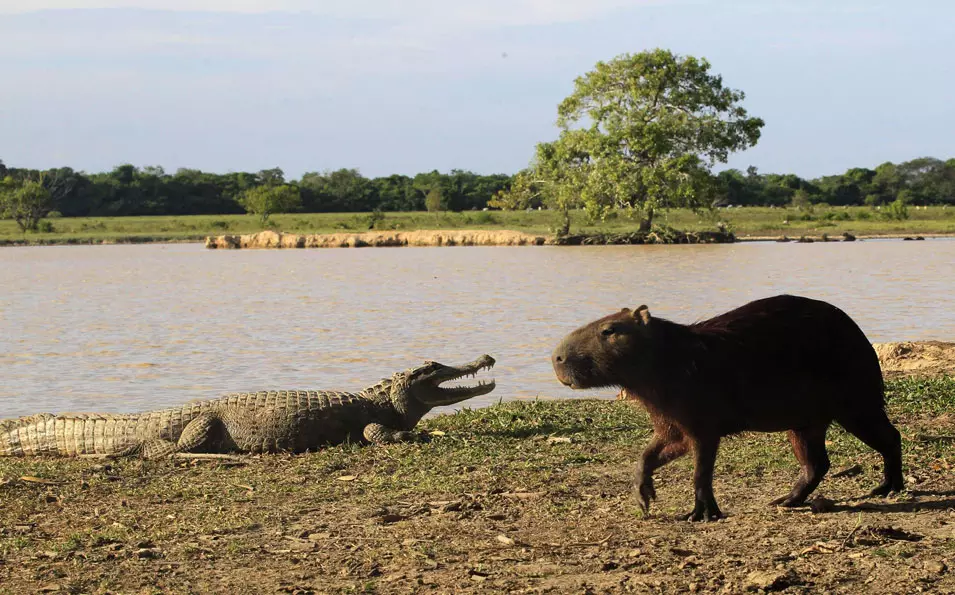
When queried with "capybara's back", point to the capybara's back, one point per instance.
{"points": [[786, 361], [780, 363]]}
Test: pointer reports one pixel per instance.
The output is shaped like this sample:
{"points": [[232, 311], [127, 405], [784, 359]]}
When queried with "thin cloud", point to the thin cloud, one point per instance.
{"points": [[240, 6], [343, 45], [471, 14]]}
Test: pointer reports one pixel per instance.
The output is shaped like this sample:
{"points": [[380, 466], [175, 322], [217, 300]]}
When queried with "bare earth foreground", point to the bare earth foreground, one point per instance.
{"points": [[527, 497]]}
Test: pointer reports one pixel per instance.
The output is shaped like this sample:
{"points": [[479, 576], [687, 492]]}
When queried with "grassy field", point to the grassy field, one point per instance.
{"points": [[531, 497], [746, 222]]}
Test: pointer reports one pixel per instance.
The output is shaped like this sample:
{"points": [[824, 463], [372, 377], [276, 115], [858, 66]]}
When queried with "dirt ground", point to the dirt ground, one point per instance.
{"points": [[924, 358], [522, 497]]}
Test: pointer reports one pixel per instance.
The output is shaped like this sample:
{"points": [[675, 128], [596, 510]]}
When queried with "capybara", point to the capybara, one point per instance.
{"points": [[779, 363]]}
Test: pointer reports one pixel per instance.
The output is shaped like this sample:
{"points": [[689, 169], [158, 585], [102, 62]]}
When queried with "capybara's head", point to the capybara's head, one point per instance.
{"points": [[603, 352]]}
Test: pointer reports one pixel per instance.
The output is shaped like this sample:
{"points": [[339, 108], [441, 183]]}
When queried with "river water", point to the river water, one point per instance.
{"points": [[136, 327]]}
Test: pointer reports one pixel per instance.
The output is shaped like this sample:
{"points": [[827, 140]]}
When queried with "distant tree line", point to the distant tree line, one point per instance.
{"points": [[128, 190], [923, 181]]}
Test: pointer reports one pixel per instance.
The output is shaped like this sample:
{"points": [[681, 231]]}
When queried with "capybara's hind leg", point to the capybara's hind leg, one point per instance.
{"points": [[876, 431], [668, 444], [810, 447]]}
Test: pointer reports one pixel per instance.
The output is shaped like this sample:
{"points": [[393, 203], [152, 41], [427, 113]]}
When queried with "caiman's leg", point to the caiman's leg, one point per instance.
{"points": [[379, 434], [194, 436]]}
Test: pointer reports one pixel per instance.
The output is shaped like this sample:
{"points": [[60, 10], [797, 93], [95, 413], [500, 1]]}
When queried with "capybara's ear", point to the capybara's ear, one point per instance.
{"points": [[626, 310], [642, 314]]}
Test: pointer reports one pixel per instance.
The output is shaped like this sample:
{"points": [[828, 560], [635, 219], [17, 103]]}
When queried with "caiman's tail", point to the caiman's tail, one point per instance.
{"points": [[20, 436], [66, 435]]}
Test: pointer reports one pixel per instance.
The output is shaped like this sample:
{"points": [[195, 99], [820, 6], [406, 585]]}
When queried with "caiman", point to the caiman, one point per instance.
{"points": [[259, 422]]}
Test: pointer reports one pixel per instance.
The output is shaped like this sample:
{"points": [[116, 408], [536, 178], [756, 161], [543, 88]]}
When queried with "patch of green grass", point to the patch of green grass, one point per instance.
{"points": [[73, 543], [107, 535], [476, 448], [922, 396], [18, 542], [746, 221]]}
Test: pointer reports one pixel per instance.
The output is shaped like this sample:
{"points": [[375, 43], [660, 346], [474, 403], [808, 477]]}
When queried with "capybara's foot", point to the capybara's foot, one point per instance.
{"points": [[886, 488], [703, 512], [788, 501], [645, 494]]}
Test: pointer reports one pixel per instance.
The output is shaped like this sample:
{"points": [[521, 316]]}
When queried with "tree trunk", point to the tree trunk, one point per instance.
{"points": [[647, 220], [564, 221]]}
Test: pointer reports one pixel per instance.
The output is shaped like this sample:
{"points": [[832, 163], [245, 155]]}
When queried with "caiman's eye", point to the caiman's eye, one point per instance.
{"points": [[607, 331]]}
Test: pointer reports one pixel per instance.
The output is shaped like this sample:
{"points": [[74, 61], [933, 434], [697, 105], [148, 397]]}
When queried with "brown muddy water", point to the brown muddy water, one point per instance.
{"points": [[136, 327]]}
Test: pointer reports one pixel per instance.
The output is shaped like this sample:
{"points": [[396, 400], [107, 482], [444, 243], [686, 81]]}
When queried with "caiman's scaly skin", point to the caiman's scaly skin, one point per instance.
{"points": [[267, 421]]}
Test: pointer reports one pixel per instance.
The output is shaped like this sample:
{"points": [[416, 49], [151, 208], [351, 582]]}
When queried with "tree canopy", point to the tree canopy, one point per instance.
{"points": [[641, 132], [270, 198], [26, 203]]}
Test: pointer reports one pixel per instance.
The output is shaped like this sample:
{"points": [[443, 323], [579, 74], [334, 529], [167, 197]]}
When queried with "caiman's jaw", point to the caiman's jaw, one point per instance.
{"points": [[425, 382]]}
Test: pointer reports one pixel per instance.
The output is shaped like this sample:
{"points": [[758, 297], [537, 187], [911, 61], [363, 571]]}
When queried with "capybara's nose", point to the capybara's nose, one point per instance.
{"points": [[558, 356], [560, 360]]}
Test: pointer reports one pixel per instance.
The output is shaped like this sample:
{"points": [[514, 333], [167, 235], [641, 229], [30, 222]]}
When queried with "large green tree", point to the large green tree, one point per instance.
{"points": [[642, 132]]}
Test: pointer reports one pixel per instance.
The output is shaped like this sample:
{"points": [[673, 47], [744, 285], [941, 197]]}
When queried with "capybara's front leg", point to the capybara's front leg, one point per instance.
{"points": [[705, 507], [668, 444]]}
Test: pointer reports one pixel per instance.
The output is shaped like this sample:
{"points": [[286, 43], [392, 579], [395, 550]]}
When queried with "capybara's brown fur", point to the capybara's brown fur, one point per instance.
{"points": [[780, 363]]}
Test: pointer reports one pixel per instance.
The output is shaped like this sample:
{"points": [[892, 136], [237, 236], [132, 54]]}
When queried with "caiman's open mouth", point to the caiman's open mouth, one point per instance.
{"points": [[440, 395]]}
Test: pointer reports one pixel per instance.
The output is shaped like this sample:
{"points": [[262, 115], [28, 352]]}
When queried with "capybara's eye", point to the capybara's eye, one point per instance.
{"points": [[607, 331]]}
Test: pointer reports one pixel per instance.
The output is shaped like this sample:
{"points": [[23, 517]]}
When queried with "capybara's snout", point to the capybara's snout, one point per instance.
{"points": [[559, 360], [570, 365]]}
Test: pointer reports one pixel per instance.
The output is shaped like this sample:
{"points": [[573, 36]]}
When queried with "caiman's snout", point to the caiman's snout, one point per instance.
{"points": [[432, 393]]}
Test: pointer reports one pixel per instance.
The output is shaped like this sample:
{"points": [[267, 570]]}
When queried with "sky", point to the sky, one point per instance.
{"points": [[406, 86]]}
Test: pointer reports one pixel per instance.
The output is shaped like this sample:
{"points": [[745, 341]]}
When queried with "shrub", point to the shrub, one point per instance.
{"points": [[896, 210], [837, 216], [265, 201], [373, 219], [433, 201], [481, 218], [26, 204], [801, 200]]}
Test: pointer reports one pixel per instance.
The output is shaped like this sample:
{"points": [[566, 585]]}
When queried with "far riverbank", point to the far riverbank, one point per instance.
{"points": [[745, 223], [437, 238]]}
